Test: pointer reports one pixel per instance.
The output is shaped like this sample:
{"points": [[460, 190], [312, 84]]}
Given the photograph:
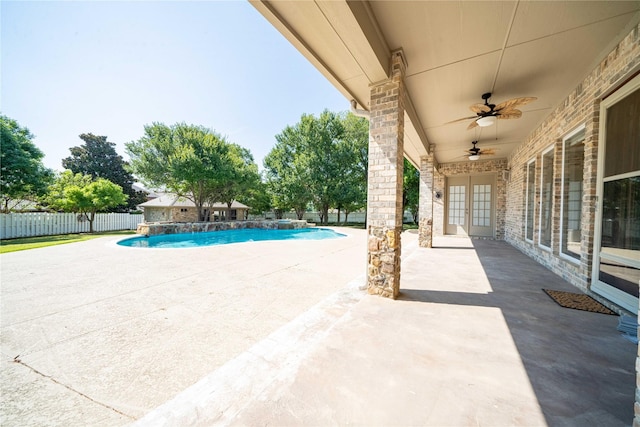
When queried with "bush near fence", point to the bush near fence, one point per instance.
{"points": [[33, 224]]}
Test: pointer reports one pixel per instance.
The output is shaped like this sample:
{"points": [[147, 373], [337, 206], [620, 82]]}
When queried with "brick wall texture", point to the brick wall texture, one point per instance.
{"points": [[581, 108]]}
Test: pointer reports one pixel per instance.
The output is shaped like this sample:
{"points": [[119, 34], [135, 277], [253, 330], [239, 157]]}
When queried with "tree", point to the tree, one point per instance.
{"points": [[327, 159], [22, 174], [81, 194], [319, 160], [241, 175], [411, 190], [356, 137], [192, 161], [287, 175], [98, 157], [258, 198]]}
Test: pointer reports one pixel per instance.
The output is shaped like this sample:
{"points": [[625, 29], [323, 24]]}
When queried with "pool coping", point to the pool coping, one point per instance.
{"points": [[160, 228]]}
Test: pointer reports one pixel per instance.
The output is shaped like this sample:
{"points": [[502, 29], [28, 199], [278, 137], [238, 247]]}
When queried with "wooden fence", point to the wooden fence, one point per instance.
{"points": [[15, 225]]}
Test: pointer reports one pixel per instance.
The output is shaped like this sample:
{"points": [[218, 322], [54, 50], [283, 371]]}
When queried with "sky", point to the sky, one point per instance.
{"points": [[110, 68]]}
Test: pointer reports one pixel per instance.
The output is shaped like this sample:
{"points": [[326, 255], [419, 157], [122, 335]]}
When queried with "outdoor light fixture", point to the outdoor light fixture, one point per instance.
{"points": [[474, 157], [486, 121]]}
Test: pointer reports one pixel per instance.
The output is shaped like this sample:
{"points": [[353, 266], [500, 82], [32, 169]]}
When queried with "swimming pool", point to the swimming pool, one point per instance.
{"points": [[211, 238]]}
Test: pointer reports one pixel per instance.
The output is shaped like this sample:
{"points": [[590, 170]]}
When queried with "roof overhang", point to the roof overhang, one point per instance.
{"points": [[455, 52]]}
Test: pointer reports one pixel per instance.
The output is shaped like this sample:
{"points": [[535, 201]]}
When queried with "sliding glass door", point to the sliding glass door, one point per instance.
{"points": [[616, 271]]}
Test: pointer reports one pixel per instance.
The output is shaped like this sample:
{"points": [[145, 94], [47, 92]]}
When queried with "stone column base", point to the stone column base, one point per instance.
{"points": [[425, 232], [384, 261]]}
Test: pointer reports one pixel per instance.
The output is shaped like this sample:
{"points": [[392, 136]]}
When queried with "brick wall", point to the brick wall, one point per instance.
{"points": [[580, 108]]}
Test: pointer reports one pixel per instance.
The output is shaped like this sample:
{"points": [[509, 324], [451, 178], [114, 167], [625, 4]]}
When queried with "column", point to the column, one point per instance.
{"points": [[384, 203], [425, 203]]}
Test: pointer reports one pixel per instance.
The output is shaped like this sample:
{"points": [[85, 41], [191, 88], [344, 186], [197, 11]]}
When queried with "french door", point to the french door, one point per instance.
{"points": [[616, 266], [470, 205]]}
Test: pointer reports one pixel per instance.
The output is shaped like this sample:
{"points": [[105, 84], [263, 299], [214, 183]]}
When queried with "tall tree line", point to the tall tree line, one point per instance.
{"points": [[320, 161]]}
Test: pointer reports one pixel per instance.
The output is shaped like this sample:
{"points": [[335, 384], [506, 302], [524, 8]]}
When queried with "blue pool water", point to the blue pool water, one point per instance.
{"points": [[227, 236]]}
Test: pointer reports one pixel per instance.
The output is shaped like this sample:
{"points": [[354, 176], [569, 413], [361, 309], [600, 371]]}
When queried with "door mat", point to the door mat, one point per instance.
{"points": [[577, 301]]}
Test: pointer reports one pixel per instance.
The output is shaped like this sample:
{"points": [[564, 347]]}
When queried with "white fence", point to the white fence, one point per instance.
{"points": [[15, 225]]}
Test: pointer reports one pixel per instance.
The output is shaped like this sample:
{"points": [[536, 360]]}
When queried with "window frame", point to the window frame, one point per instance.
{"points": [[530, 163], [576, 131], [541, 199]]}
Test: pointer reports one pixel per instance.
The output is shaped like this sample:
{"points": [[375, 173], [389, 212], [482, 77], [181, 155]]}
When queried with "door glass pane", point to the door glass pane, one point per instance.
{"points": [[546, 194], [456, 204], [531, 192], [482, 205], [623, 133], [621, 234], [573, 163]]}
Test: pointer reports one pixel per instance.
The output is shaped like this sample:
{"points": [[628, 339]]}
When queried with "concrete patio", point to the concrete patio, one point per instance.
{"points": [[472, 340]]}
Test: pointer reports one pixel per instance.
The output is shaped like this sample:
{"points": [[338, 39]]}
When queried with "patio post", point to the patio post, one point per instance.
{"points": [[384, 204], [425, 203]]}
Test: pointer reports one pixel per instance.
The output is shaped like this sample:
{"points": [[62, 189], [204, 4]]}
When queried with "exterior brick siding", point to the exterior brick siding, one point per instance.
{"points": [[580, 108]]}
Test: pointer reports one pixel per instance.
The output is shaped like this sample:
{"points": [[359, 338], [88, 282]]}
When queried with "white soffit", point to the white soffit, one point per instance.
{"points": [[456, 51]]}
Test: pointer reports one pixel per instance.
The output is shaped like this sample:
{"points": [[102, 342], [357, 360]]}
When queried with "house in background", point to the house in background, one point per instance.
{"points": [[174, 208]]}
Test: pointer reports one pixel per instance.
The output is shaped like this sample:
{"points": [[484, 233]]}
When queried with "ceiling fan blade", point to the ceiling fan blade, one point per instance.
{"points": [[480, 108], [488, 151], [510, 114], [515, 102], [462, 119], [473, 124]]}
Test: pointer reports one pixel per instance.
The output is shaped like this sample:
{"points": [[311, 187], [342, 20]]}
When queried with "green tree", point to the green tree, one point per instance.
{"points": [[320, 160], [287, 175], [258, 198], [411, 190], [241, 175], [353, 196], [327, 159], [192, 161], [98, 157], [81, 194], [22, 174]]}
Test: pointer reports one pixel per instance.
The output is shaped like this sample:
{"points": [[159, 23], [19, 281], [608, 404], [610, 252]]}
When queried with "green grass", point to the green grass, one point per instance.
{"points": [[23, 244]]}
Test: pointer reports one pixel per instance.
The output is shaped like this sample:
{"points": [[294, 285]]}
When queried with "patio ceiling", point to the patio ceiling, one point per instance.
{"points": [[456, 51]]}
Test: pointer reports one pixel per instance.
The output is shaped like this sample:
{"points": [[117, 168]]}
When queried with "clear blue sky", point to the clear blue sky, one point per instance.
{"points": [[109, 68]]}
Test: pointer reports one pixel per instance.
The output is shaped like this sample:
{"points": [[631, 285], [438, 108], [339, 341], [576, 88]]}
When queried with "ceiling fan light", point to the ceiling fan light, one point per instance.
{"points": [[486, 121], [474, 157]]}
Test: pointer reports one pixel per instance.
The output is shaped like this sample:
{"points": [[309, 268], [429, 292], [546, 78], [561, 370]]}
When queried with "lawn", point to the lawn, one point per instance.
{"points": [[13, 245]]}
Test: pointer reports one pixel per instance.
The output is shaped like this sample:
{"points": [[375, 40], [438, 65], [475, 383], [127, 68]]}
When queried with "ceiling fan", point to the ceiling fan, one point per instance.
{"points": [[487, 114], [475, 152]]}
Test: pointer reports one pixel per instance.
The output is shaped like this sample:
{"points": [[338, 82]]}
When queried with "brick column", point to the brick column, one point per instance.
{"points": [[425, 204], [384, 201]]}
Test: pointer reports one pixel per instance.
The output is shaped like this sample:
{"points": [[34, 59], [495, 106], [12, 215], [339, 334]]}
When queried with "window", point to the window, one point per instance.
{"points": [[546, 198], [183, 209], [571, 204], [456, 204], [530, 200], [482, 205]]}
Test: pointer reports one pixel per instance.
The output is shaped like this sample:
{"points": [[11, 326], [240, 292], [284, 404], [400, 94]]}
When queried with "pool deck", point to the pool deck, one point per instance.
{"points": [[253, 335]]}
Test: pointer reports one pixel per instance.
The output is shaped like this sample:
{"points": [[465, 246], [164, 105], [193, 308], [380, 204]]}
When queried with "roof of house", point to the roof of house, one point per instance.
{"points": [[168, 200]]}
